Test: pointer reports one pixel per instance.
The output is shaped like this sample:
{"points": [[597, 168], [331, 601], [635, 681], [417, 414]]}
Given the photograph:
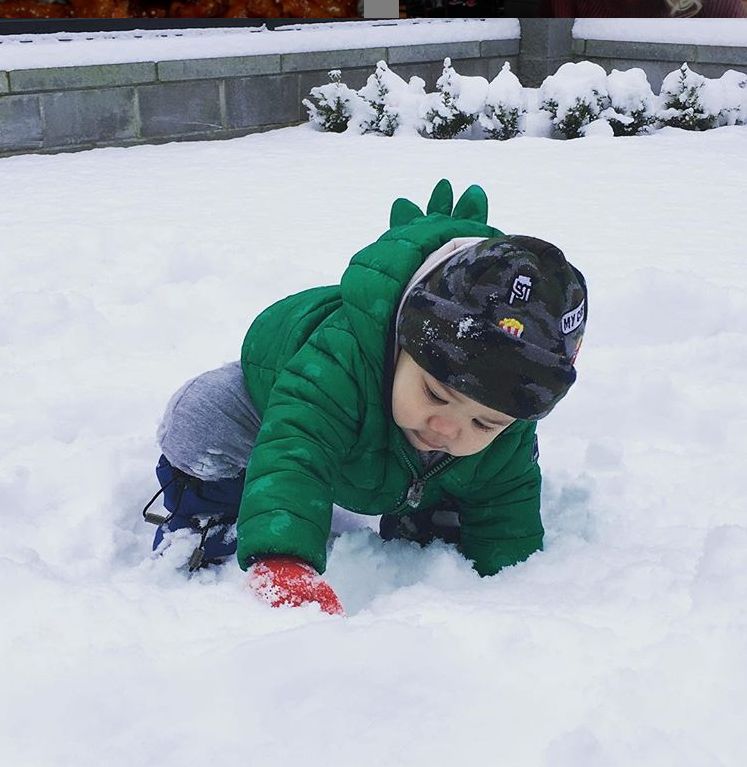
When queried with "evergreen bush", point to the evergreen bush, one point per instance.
{"points": [[733, 87], [333, 104], [451, 110], [685, 101], [632, 109], [376, 92], [504, 106], [579, 96], [394, 106], [575, 96]]}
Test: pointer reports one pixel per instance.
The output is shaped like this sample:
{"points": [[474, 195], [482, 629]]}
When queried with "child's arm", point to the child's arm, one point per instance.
{"points": [[500, 520], [309, 426]]}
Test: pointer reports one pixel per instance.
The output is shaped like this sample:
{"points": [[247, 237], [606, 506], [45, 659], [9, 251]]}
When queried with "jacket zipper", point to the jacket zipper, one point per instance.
{"points": [[414, 493]]}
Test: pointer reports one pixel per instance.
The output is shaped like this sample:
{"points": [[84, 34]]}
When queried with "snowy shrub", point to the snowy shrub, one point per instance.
{"points": [[580, 99], [394, 104], [733, 88], [455, 106], [376, 92], [504, 105], [536, 122], [334, 104], [575, 96], [632, 107], [688, 102]]}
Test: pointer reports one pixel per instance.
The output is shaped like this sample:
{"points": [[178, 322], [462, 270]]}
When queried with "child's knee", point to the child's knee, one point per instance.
{"points": [[209, 427]]}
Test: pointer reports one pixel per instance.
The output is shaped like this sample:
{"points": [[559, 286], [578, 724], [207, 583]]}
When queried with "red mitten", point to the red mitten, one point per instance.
{"points": [[291, 581]]}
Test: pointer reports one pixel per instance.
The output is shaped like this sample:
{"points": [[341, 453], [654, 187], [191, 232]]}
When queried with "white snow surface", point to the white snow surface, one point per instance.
{"points": [[30, 51], [126, 271], [698, 31]]}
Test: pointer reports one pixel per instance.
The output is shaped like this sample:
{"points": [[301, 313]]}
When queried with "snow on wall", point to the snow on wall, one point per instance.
{"points": [[698, 31], [85, 48]]}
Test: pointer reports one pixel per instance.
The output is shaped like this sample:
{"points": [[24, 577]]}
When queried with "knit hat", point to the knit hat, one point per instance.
{"points": [[500, 322]]}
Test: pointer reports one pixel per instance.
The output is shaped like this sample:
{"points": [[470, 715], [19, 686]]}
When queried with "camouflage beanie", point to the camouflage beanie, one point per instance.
{"points": [[500, 322]]}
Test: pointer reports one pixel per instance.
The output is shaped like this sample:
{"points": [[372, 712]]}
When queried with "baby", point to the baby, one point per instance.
{"points": [[410, 390]]}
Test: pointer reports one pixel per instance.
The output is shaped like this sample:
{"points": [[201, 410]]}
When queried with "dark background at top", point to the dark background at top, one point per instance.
{"points": [[451, 8]]}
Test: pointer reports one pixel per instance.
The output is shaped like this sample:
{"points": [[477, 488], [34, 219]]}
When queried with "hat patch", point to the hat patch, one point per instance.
{"points": [[511, 326], [521, 289], [571, 320]]}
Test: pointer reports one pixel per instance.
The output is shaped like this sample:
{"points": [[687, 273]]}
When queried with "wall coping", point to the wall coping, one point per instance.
{"points": [[729, 33], [674, 52], [55, 51], [36, 80]]}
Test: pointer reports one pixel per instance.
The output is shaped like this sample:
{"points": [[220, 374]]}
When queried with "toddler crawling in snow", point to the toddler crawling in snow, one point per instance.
{"points": [[410, 390]]}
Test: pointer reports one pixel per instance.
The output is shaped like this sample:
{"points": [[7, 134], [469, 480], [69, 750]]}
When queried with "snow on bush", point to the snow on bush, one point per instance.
{"points": [[575, 96], [733, 87], [456, 105], [632, 107], [396, 104], [335, 104], [536, 122], [580, 99], [690, 101], [504, 106]]}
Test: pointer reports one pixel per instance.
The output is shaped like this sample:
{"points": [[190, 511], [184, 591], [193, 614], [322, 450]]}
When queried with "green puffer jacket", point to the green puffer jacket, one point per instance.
{"points": [[315, 365]]}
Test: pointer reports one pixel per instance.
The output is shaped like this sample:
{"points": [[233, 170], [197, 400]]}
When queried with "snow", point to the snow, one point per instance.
{"points": [[575, 82], [696, 31], [630, 90], [82, 48], [505, 88], [126, 271], [401, 103], [469, 92], [578, 94]]}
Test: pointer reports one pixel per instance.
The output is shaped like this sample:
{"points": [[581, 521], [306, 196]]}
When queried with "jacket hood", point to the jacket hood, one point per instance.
{"points": [[381, 274]]}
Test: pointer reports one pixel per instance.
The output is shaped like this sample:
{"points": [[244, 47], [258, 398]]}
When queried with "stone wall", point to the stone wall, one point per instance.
{"points": [[659, 59], [81, 107], [547, 43]]}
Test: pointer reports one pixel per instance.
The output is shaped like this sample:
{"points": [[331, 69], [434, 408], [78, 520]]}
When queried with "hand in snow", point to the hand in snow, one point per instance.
{"points": [[291, 581]]}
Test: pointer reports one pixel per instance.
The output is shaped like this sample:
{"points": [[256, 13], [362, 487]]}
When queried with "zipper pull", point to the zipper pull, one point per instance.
{"points": [[415, 493]]}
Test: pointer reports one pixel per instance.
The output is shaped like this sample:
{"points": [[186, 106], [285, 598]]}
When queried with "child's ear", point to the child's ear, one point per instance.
{"points": [[442, 198], [472, 205]]}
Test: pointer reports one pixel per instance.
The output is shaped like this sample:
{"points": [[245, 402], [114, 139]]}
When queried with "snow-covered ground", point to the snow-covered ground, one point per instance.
{"points": [[126, 271]]}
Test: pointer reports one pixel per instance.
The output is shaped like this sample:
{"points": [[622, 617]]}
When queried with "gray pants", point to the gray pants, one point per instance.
{"points": [[210, 425]]}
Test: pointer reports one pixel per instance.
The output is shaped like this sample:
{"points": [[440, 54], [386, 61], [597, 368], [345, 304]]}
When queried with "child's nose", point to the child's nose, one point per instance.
{"points": [[448, 427]]}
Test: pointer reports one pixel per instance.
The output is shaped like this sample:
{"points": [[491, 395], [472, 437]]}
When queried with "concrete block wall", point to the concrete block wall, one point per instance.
{"points": [[659, 59], [73, 108], [545, 46], [81, 107]]}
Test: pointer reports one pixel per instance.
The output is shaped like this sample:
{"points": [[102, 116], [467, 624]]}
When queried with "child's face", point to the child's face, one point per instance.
{"points": [[435, 417]]}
